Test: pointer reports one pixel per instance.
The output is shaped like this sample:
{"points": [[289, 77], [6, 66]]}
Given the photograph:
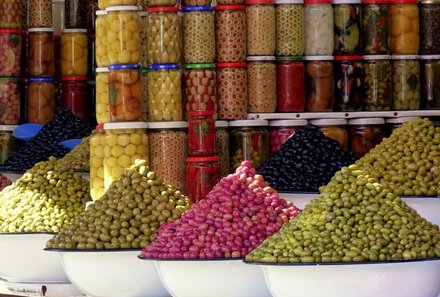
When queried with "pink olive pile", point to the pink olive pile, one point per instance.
{"points": [[234, 218], [4, 182]]}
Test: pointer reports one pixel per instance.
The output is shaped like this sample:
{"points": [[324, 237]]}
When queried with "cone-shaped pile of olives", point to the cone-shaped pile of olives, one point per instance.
{"points": [[127, 215], [45, 198], [353, 219], [305, 162], [234, 218], [408, 162], [79, 157]]}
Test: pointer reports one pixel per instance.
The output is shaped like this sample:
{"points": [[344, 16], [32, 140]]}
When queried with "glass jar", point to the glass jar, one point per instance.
{"points": [[430, 81], [262, 84], [11, 16], [318, 25], [143, 22], [349, 86], [41, 46], [74, 95], [75, 14], [101, 39], [404, 27], [232, 90], [164, 40], [196, 2], [9, 101], [376, 27], [335, 129], [164, 93], [144, 93], [124, 144], [230, 29], [281, 131], [394, 123], [124, 86], [198, 34], [102, 109], [58, 11], [202, 175], [290, 84], [222, 146], [249, 141], [74, 52], [230, 2], [406, 82], [123, 35], [103, 4], [377, 82], [152, 3], [261, 27], [97, 145], [40, 14], [365, 134], [41, 100], [429, 11], [290, 27], [201, 88], [10, 51], [6, 147], [168, 152], [201, 134], [347, 19], [319, 83]]}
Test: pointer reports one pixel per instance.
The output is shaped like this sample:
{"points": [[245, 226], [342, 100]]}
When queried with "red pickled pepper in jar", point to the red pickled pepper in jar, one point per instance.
{"points": [[201, 133], [290, 84], [74, 95], [203, 174]]}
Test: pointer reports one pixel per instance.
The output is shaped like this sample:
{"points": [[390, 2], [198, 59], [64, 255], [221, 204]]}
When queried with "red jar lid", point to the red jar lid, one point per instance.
{"points": [[201, 113], [202, 159], [100, 127], [163, 9], [248, 2], [402, 2], [375, 1], [73, 78], [230, 7], [349, 58], [232, 64], [12, 31], [317, 2]]}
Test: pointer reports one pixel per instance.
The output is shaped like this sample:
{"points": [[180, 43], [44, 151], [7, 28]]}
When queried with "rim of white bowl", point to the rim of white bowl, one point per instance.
{"points": [[340, 263]]}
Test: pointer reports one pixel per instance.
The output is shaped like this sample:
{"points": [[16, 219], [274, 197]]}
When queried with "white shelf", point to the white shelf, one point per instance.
{"points": [[33, 289]]}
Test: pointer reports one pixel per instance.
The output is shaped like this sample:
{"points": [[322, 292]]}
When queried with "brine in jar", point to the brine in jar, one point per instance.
{"points": [[40, 14], [335, 129], [290, 84], [74, 52], [404, 27], [318, 33], [232, 90], [102, 109], [377, 82], [230, 28], [430, 81], [222, 146], [347, 19], [281, 131], [365, 134], [261, 27], [376, 28], [101, 54], [262, 85], [429, 27], [97, 144], [9, 101], [201, 88], [349, 87], [406, 83], [290, 28], [41, 100], [319, 83], [41, 46]]}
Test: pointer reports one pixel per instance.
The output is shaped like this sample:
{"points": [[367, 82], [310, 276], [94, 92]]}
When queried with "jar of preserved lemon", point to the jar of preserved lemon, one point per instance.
{"points": [[41, 100], [102, 109], [97, 144], [404, 27], [101, 39], [41, 52], [74, 52]]}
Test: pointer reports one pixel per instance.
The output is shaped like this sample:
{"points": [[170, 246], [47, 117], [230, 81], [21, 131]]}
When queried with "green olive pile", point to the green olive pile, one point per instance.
{"points": [[127, 215], [44, 199], [78, 158], [353, 219], [408, 162]]}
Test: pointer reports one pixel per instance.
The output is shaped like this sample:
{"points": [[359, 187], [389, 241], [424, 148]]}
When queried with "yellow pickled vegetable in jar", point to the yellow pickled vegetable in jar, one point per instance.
{"points": [[97, 144], [101, 39], [102, 110], [74, 54]]}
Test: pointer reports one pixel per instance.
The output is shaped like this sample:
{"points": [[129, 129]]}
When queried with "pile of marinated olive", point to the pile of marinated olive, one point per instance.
{"points": [[44, 199], [355, 219], [127, 215], [79, 157], [306, 161]]}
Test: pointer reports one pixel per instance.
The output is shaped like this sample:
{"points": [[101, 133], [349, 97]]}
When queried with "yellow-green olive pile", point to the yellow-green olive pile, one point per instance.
{"points": [[44, 199], [78, 158], [127, 215], [355, 219]]}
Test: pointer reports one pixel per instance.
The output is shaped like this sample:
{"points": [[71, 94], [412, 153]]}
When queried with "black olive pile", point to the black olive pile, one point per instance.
{"points": [[305, 162], [65, 125]]}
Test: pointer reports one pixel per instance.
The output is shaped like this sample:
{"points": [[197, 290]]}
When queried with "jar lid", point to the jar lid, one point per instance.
{"points": [[41, 79], [367, 121], [67, 31], [7, 127], [41, 30], [289, 58], [13, 31], [101, 69], [289, 1], [125, 125], [260, 58], [328, 122], [348, 58], [163, 9], [200, 66], [196, 8], [73, 78], [101, 12], [221, 124], [124, 66], [346, 2], [231, 64], [202, 159], [288, 123], [17, 79], [319, 58], [317, 1], [402, 2], [259, 2], [429, 57], [100, 127], [164, 66], [377, 57], [167, 125], [122, 7], [230, 7], [248, 123], [404, 57], [402, 120], [375, 1]]}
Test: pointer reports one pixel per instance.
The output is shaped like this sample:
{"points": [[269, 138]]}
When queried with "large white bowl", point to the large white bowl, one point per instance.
{"points": [[116, 273], [391, 279], [23, 259], [212, 278]]}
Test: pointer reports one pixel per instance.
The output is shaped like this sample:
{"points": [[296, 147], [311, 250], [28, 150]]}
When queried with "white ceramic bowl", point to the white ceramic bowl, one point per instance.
{"points": [[116, 273], [392, 279], [212, 278], [23, 259]]}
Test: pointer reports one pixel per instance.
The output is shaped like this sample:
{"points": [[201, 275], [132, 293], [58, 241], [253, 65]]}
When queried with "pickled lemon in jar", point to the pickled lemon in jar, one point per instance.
{"points": [[74, 52], [101, 39], [102, 110], [97, 144]]}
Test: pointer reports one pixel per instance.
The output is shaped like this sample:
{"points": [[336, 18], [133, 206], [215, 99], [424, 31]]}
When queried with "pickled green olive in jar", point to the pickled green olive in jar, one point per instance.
{"points": [[347, 19], [290, 27], [365, 134], [349, 86], [376, 28], [261, 27], [377, 82], [222, 146], [406, 82], [430, 81], [262, 92], [429, 27]]}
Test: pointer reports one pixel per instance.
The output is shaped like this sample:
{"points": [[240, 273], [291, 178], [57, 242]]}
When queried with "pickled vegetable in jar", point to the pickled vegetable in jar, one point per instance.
{"points": [[365, 134], [201, 134], [198, 34], [75, 14], [319, 83], [347, 19], [430, 81], [40, 14], [394, 123], [9, 101], [6, 146], [377, 82], [101, 54], [318, 25], [201, 88], [123, 35], [11, 14], [290, 84], [10, 51], [261, 27], [349, 87], [102, 109], [249, 141], [144, 93], [290, 27], [74, 52], [58, 11], [196, 2], [335, 129], [406, 82], [41, 47], [262, 85], [222, 146], [164, 93], [232, 90], [124, 144], [376, 27], [230, 28], [97, 144], [281, 131], [203, 174], [429, 11], [74, 95], [152, 3], [103, 4], [168, 152], [404, 27], [41, 100], [230, 2], [164, 40], [124, 87]]}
